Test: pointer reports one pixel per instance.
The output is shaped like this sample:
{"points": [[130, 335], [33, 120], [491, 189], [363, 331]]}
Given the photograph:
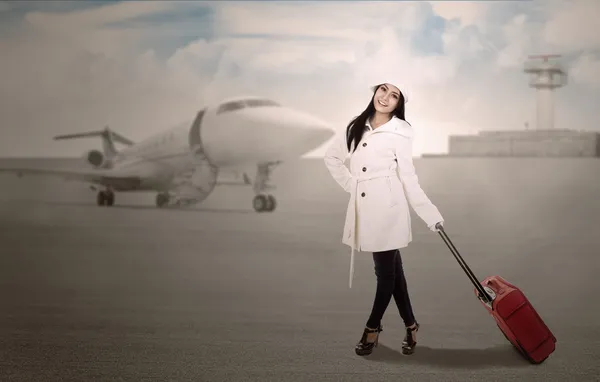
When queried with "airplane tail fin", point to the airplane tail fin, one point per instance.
{"points": [[108, 136]]}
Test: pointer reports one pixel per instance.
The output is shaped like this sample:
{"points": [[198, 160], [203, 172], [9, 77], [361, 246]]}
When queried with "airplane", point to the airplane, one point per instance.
{"points": [[182, 163]]}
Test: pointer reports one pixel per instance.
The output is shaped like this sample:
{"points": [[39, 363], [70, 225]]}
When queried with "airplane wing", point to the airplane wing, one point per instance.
{"points": [[232, 183], [238, 175], [233, 177], [111, 178]]}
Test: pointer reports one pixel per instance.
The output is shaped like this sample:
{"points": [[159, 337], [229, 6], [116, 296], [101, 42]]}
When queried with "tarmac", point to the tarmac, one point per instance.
{"points": [[221, 293]]}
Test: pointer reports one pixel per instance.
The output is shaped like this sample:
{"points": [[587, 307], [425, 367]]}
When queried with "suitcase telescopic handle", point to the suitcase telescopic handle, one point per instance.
{"points": [[463, 264]]}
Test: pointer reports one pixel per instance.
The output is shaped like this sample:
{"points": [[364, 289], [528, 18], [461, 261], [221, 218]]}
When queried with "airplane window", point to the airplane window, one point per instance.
{"points": [[231, 106], [260, 102]]}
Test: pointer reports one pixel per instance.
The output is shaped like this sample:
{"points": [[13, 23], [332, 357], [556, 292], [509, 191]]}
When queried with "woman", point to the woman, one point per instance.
{"points": [[382, 183]]}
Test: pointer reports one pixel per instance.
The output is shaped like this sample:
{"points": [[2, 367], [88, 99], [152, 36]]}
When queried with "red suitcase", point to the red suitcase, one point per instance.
{"points": [[514, 314]]}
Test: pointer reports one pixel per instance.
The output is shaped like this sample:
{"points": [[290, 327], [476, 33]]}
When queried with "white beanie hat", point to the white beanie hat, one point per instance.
{"points": [[392, 81]]}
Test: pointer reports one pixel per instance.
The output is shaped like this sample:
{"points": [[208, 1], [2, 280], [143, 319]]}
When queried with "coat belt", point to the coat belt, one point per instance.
{"points": [[352, 212], [378, 174]]}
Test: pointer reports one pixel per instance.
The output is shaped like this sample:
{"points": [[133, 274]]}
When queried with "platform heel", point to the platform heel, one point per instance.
{"points": [[365, 348], [408, 345]]}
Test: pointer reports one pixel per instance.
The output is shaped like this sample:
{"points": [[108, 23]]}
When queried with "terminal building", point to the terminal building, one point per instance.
{"points": [[527, 143]]}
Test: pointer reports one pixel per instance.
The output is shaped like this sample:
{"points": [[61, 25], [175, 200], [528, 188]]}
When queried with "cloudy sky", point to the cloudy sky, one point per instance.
{"points": [[143, 66]]}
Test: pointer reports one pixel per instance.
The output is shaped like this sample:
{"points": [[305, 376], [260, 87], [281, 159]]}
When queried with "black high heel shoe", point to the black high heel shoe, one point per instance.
{"points": [[408, 345], [365, 348]]}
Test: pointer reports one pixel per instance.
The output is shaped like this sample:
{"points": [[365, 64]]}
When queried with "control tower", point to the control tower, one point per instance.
{"points": [[545, 77], [542, 141]]}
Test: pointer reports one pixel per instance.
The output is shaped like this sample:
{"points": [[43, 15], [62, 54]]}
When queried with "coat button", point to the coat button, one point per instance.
{"points": [[363, 194], [365, 144], [364, 169]]}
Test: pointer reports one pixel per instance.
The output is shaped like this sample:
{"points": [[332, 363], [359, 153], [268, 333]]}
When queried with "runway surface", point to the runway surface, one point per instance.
{"points": [[220, 293]]}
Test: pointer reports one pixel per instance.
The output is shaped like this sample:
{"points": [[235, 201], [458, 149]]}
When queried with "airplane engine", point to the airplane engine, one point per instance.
{"points": [[196, 183], [95, 158]]}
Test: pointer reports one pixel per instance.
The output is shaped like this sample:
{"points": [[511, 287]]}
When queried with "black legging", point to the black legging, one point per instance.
{"points": [[390, 282]]}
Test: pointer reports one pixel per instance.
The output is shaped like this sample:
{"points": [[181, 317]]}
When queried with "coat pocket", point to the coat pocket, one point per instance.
{"points": [[393, 191]]}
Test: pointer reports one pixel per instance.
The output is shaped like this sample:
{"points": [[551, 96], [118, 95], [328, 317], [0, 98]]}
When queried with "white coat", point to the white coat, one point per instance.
{"points": [[382, 183]]}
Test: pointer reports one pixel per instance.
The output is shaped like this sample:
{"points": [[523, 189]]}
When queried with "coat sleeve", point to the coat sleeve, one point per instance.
{"points": [[417, 198], [335, 156]]}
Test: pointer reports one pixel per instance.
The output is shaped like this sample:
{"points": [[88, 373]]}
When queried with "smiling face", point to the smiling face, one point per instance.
{"points": [[386, 98]]}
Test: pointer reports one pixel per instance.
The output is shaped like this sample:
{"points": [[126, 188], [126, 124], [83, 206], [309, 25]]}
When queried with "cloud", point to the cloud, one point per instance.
{"points": [[518, 34], [572, 26], [91, 28], [141, 67], [94, 17], [58, 88], [468, 13], [586, 71]]}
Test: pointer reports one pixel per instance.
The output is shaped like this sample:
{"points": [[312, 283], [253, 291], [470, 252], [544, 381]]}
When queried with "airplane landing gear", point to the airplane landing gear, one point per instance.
{"points": [[105, 198], [264, 203], [162, 199]]}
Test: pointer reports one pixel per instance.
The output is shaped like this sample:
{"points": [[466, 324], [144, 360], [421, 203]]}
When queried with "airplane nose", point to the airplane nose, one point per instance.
{"points": [[314, 129], [302, 126], [284, 131]]}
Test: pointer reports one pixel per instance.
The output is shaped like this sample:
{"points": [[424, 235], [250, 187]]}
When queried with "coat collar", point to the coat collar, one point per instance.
{"points": [[395, 126]]}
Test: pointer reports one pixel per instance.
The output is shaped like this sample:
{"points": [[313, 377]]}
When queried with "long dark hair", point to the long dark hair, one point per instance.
{"points": [[356, 127]]}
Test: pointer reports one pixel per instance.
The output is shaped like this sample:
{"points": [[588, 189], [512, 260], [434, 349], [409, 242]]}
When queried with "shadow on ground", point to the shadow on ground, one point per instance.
{"points": [[135, 207], [502, 355]]}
